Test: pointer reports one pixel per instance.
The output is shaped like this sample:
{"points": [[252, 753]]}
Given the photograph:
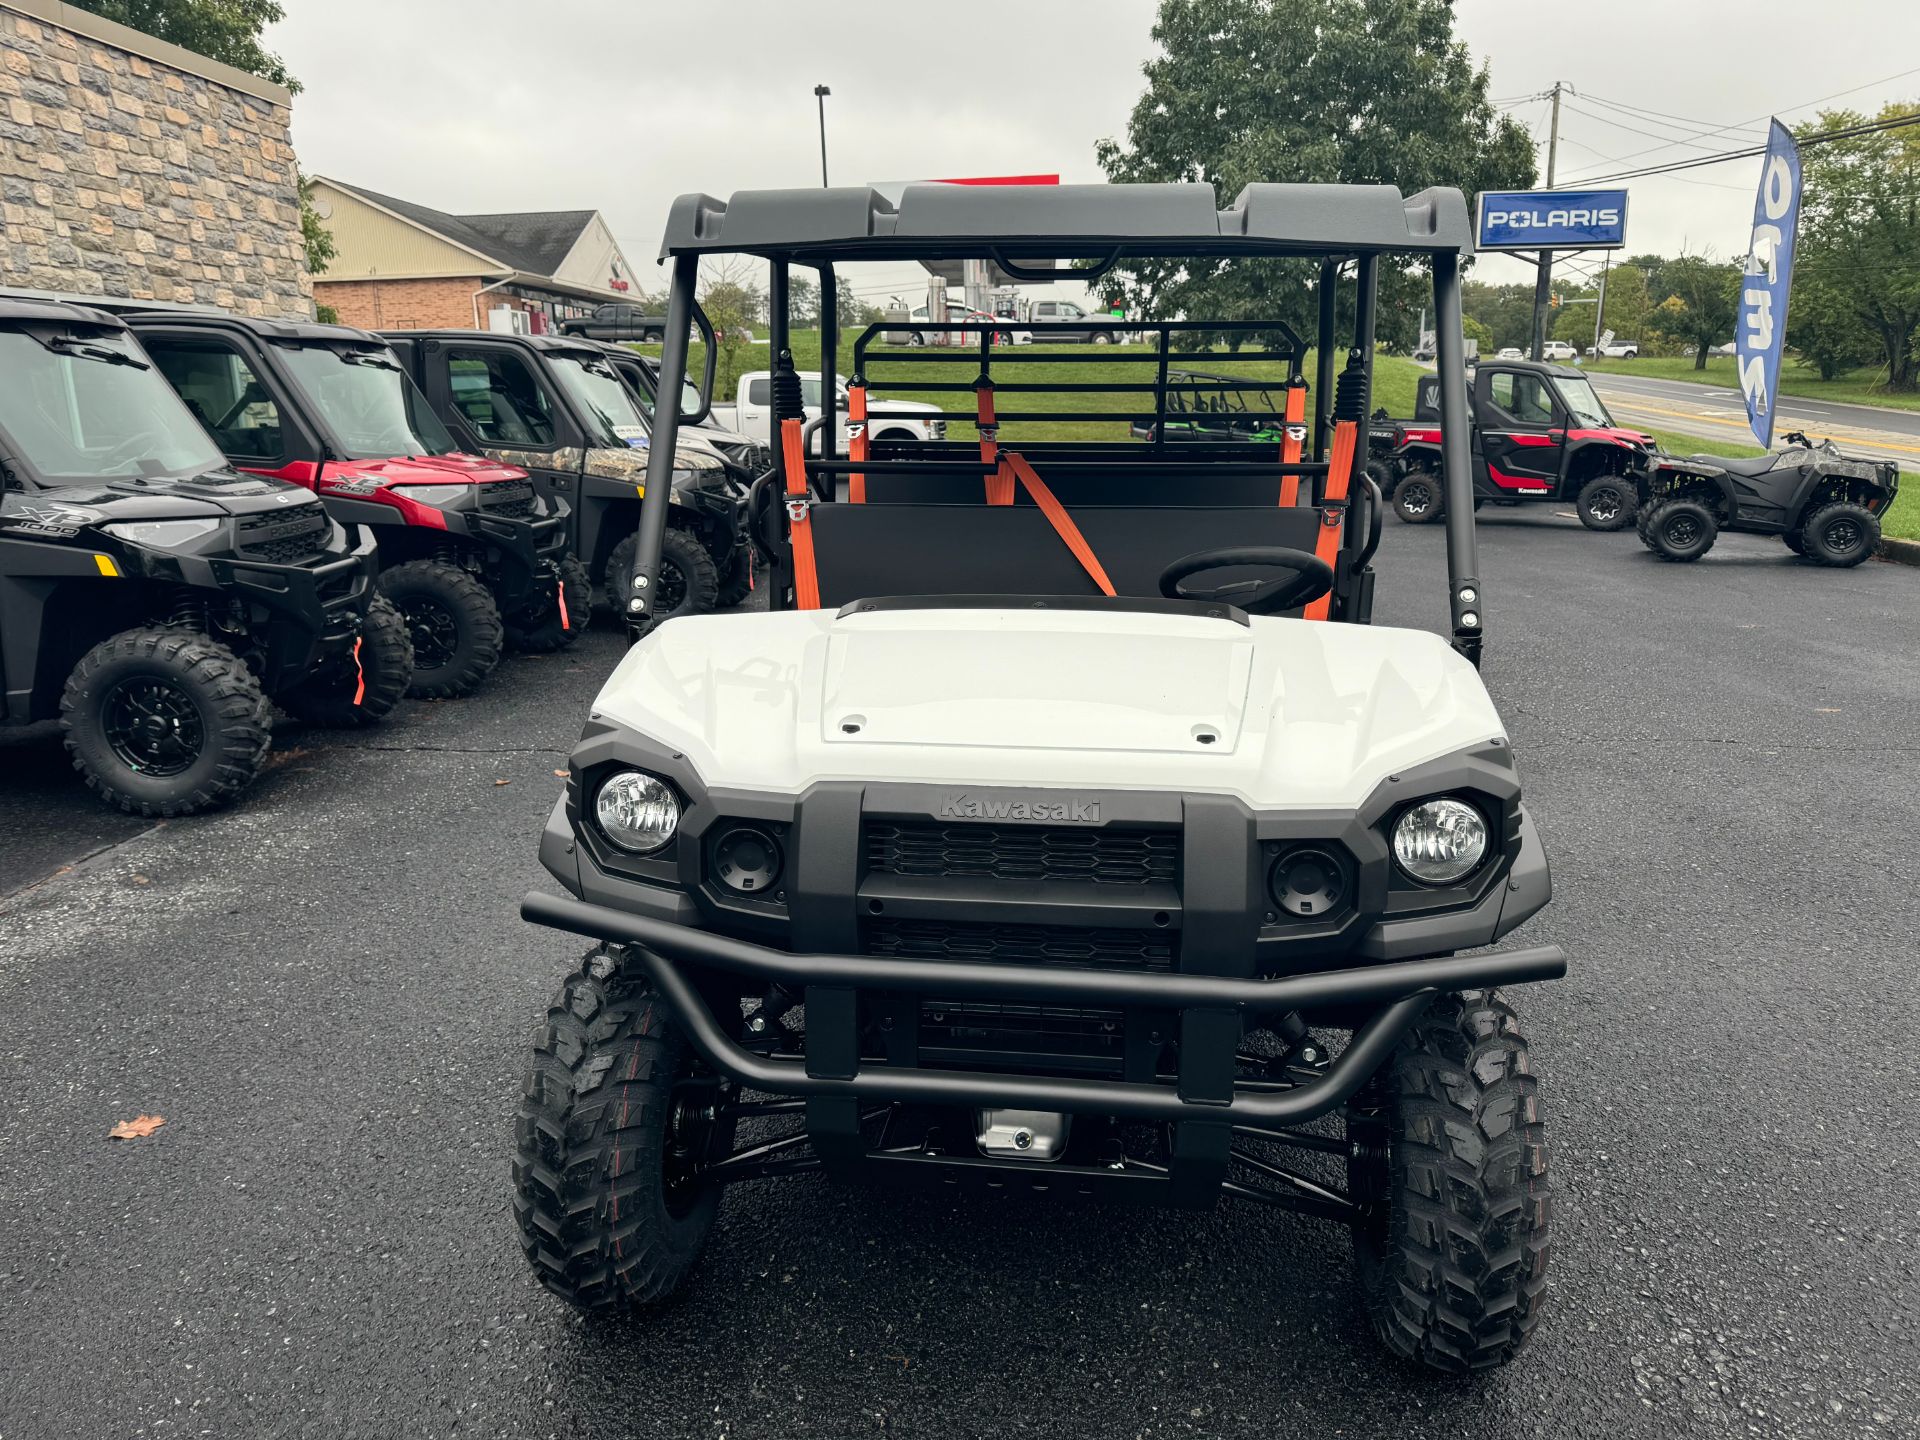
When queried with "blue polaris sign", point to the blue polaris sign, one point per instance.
{"points": [[1552, 220], [1761, 329]]}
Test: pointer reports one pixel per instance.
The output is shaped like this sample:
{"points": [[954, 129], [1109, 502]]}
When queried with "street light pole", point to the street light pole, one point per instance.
{"points": [[820, 93]]}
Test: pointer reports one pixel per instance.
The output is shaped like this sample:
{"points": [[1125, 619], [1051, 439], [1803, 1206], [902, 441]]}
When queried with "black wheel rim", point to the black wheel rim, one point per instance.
{"points": [[1605, 504], [1416, 498], [152, 725], [436, 634], [672, 593], [1682, 531], [1844, 535]]}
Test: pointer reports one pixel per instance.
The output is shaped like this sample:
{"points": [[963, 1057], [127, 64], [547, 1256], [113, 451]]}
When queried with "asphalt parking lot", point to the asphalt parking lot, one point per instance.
{"points": [[326, 993]]}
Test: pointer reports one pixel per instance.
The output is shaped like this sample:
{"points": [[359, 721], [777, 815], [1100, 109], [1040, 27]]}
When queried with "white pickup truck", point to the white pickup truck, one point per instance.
{"points": [[751, 414]]}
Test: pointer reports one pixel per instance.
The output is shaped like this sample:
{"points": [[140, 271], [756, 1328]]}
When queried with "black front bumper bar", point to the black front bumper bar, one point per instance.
{"points": [[1402, 990]]}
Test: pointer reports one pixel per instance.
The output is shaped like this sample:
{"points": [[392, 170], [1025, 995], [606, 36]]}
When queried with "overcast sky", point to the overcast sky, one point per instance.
{"points": [[619, 105]]}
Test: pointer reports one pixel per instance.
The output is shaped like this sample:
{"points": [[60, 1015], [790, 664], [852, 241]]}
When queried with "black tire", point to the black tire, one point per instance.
{"points": [[1452, 1169], [689, 581], [609, 1215], [1605, 503], [1840, 535], [1101, 337], [555, 622], [453, 622], [1418, 499], [1381, 473], [737, 583], [1795, 541], [384, 667], [164, 722], [1681, 530]]}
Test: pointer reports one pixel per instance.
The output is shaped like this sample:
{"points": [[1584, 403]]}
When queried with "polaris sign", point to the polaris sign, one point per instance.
{"points": [[1552, 220]]}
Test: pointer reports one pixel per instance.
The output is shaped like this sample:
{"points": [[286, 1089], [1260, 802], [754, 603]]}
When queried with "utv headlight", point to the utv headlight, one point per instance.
{"points": [[434, 494], [636, 811], [1440, 841], [163, 534]]}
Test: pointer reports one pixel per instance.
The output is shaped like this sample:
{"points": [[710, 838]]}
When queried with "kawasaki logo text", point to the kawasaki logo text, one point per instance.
{"points": [[962, 806]]}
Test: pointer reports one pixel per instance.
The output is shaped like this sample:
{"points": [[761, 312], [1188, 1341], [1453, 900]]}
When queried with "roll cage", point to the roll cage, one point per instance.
{"points": [[1041, 517]]}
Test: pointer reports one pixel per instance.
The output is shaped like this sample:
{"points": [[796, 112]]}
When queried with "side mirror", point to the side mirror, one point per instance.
{"points": [[708, 347]]}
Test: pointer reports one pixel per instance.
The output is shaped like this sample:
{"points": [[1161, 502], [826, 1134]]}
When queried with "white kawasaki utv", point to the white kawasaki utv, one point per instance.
{"points": [[1064, 825]]}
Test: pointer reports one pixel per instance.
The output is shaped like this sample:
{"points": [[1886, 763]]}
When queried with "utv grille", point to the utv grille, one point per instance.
{"points": [[1081, 947], [282, 539], [973, 1033], [1023, 852], [510, 499]]}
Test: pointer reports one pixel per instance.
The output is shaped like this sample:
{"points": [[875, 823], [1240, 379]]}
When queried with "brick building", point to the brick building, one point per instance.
{"points": [[398, 265], [131, 167]]}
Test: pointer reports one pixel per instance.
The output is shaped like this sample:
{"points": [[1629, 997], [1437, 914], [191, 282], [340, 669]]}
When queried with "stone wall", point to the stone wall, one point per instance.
{"points": [[129, 167]]}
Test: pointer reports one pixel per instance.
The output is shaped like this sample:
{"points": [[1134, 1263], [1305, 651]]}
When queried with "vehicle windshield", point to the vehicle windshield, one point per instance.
{"points": [[1582, 403], [689, 393], [374, 411], [613, 418], [87, 406]]}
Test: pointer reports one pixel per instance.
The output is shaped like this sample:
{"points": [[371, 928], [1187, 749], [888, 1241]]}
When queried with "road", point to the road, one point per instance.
{"points": [[1714, 413], [326, 993]]}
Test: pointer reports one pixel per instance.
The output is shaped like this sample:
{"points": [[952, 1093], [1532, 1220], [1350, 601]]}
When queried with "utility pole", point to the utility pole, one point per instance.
{"points": [[1600, 310], [1543, 284], [820, 93]]}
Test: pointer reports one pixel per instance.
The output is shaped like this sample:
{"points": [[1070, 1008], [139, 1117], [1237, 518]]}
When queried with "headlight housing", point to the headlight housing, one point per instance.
{"points": [[1440, 842], [441, 495], [636, 811], [162, 534]]}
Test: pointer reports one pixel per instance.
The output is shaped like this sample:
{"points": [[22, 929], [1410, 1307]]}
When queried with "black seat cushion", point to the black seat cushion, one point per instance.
{"points": [[1752, 465]]}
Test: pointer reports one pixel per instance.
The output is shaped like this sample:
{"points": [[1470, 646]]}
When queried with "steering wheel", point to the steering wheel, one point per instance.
{"points": [[1308, 577]]}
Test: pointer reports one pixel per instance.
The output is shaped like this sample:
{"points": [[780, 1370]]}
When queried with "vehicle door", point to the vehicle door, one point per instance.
{"points": [[754, 413], [234, 393], [495, 395], [1521, 436]]}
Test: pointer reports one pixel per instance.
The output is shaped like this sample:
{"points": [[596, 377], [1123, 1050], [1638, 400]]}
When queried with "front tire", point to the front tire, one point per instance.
{"points": [[1605, 503], [163, 722], [689, 580], [1840, 535], [606, 1192], [1417, 498], [379, 679], [453, 622], [555, 622], [738, 582], [1681, 530], [1451, 1164]]}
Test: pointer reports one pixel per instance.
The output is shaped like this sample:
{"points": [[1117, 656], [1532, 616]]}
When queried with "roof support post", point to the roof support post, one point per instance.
{"points": [[1323, 368], [644, 583], [1456, 460], [829, 357]]}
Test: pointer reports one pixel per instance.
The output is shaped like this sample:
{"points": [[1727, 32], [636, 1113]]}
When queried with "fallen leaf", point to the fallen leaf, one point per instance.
{"points": [[136, 1129], [503, 782], [563, 774], [141, 880], [1826, 710]]}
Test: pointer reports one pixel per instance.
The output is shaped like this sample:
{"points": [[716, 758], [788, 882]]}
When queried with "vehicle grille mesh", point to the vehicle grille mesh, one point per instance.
{"points": [[1083, 947], [510, 499], [280, 539], [1023, 852]]}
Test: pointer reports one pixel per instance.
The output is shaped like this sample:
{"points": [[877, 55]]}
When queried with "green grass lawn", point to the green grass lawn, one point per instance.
{"points": [[1856, 387], [1126, 364], [1902, 518]]}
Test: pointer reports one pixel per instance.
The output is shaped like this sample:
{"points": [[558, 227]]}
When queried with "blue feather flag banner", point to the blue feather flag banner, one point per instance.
{"points": [[1760, 333]]}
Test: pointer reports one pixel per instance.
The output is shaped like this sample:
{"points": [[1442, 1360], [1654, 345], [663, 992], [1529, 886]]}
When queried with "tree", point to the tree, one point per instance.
{"points": [[1859, 247], [730, 293], [227, 31], [223, 30], [1698, 309], [1822, 326], [1505, 310], [1472, 329], [803, 302], [1626, 308], [1337, 91]]}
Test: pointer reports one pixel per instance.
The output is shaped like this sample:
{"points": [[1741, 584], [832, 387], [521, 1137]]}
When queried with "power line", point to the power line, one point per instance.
{"points": [[1849, 132], [1622, 125]]}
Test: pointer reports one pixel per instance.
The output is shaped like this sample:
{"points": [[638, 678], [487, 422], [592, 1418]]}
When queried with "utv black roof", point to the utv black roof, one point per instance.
{"points": [[1063, 220], [536, 342], [27, 310], [290, 330]]}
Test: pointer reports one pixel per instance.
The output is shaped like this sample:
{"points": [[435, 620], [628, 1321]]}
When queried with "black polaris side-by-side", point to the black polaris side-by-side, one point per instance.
{"points": [[1539, 433], [153, 599], [554, 406], [471, 555], [1825, 505]]}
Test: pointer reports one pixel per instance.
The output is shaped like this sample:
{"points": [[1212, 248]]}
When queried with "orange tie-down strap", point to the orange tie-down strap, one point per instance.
{"points": [[1334, 507], [1296, 413], [1014, 467], [989, 429], [806, 576], [857, 442]]}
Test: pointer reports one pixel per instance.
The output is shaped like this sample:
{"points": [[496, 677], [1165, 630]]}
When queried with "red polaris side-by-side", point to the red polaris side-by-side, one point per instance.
{"points": [[1539, 433]]}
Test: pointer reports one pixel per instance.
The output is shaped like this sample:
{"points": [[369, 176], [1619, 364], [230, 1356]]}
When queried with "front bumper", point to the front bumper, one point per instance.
{"points": [[673, 957]]}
